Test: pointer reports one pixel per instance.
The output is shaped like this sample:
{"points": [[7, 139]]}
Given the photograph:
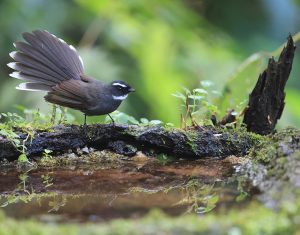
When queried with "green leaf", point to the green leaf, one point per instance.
{"points": [[187, 91], [23, 158], [206, 83], [200, 91], [241, 82], [179, 95], [144, 121], [196, 97], [155, 122], [122, 118]]}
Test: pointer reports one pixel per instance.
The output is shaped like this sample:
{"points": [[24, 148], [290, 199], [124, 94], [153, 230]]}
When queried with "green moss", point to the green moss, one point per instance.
{"points": [[14, 198], [191, 135], [191, 139], [133, 130], [268, 148], [275, 168], [263, 152]]}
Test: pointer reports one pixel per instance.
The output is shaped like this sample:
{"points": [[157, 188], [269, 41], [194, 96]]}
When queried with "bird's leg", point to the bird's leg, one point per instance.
{"points": [[113, 122], [84, 120], [85, 127]]}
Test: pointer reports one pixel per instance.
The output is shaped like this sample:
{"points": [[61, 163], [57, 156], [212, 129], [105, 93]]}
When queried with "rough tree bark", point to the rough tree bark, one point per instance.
{"points": [[266, 101]]}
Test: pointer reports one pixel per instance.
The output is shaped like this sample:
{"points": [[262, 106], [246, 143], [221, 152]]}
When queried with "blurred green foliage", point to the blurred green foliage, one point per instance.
{"points": [[252, 220], [157, 46]]}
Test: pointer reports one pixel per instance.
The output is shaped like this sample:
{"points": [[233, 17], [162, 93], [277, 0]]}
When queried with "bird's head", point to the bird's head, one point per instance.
{"points": [[120, 90]]}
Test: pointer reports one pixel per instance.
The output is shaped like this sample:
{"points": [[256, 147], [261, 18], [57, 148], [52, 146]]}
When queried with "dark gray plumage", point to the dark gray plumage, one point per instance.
{"points": [[47, 63]]}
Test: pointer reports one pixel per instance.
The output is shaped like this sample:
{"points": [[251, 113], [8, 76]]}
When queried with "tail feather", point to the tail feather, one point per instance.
{"points": [[29, 56], [45, 61], [57, 51], [33, 86], [49, 50], [72, 59], [40, 46], [20, 76], [36, 74]]}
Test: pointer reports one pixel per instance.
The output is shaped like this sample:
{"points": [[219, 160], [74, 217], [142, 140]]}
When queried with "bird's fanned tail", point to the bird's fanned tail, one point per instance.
{"points": [[44, 61]]}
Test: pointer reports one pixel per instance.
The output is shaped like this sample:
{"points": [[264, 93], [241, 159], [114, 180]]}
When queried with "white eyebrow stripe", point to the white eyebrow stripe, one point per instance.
{"points": [[122, 97], [118, 84]]}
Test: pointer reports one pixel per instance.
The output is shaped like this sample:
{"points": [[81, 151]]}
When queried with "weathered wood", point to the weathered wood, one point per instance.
{"points": [[128, 139], [266, 102]]}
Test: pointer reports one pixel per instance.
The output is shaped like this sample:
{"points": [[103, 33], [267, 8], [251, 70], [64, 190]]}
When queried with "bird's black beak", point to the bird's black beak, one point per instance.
{"points": [[131, 89]]}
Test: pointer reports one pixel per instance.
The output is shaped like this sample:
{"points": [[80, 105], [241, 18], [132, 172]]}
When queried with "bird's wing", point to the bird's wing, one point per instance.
{"points": [[77, 94], [69, 93]]}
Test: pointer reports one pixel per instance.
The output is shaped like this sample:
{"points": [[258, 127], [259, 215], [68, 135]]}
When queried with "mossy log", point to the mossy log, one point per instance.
{"points": [[129, 139]]}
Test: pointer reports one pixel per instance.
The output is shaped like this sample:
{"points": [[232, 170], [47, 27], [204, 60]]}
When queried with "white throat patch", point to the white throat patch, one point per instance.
{"points": [[122, 97]]}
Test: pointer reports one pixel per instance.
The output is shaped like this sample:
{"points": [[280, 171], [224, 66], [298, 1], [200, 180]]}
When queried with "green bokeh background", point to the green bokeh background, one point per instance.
{"points": [[158, 47]]}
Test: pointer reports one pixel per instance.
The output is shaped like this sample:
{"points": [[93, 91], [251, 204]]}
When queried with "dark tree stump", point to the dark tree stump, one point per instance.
{"points": [[266, 102]]}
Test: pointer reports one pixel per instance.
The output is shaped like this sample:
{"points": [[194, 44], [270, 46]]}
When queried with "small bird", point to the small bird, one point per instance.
{"points": [[47, 63]]}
